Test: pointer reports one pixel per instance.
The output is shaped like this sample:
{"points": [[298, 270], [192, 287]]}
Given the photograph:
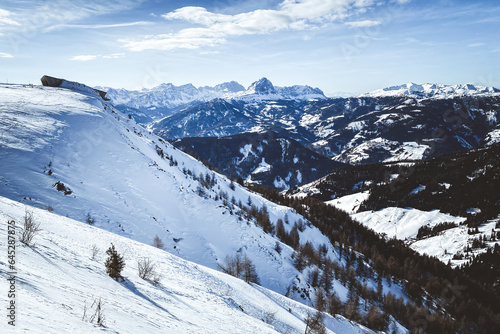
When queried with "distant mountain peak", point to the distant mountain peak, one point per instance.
{"points": [[229, 87], [262, 87]]}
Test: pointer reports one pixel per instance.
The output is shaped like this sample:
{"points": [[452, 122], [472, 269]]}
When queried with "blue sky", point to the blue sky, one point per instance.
{"points": [[340, 46]]}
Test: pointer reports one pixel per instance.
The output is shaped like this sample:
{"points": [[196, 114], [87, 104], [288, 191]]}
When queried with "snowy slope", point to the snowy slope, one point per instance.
{"points": [[58, 280], [404, 223], [111, 169]]}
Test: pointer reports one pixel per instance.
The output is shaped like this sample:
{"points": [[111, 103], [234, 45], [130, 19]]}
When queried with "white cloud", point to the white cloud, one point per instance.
{"points": [[97, 26], [5, 55], [475, 45], [6, 20], [114, 56], [84, 58], [93, 57], [214, 28], [35, 16], [409, 40], [363, 24]]}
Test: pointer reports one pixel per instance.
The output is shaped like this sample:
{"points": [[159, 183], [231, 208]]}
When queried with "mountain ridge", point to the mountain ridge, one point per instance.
{"points": [[431, 90], [167, 96]]}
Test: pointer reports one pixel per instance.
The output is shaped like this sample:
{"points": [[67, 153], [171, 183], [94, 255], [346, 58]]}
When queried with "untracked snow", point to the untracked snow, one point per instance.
{"points": [[58, 281], [402, 223]]}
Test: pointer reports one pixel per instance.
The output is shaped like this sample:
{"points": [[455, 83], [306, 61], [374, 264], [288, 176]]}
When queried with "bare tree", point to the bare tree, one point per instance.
{"points": [[147, 270], [249, 271], [241, 267], [95, 251], [232, 265], [319, 300], [89, 219], [269, 317], [98, 315], [314, 323], [30, 229], [158, 243]]}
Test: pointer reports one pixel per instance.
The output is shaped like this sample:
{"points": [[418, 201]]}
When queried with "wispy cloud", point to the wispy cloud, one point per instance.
{"points": [[5, 55], [98, 26], [93, 57], [409, 40], [50, 15], [5, 18], [114, 56], [214, 28], [475, 45], [84, 57], [363, 24], [31, 18]]}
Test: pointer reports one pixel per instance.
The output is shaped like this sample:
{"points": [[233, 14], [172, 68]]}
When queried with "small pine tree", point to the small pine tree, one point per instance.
{"points": [[280, 230], [114, 263]]}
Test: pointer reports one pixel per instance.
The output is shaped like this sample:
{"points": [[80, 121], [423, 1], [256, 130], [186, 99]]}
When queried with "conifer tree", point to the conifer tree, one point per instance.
{"points": [[114, 263]]}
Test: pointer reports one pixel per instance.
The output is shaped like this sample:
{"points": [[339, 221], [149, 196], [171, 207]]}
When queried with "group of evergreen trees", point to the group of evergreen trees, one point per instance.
{"points": [[427, 279]]}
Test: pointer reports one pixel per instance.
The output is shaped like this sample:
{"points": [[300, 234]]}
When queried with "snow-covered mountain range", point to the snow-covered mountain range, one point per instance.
{"points": [[432, 90], [163, 99], [355, 130], [405, 122]]}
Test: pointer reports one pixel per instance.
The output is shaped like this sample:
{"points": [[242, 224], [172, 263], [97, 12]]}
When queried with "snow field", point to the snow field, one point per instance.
{"points": [[58, 278]]}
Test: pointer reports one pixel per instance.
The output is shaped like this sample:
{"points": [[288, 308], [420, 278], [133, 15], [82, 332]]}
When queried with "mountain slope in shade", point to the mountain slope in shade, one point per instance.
{"points": [[263, 157]]}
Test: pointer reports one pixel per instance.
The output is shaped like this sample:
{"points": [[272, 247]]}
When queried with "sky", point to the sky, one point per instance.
{"points": [[340, 46]]}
